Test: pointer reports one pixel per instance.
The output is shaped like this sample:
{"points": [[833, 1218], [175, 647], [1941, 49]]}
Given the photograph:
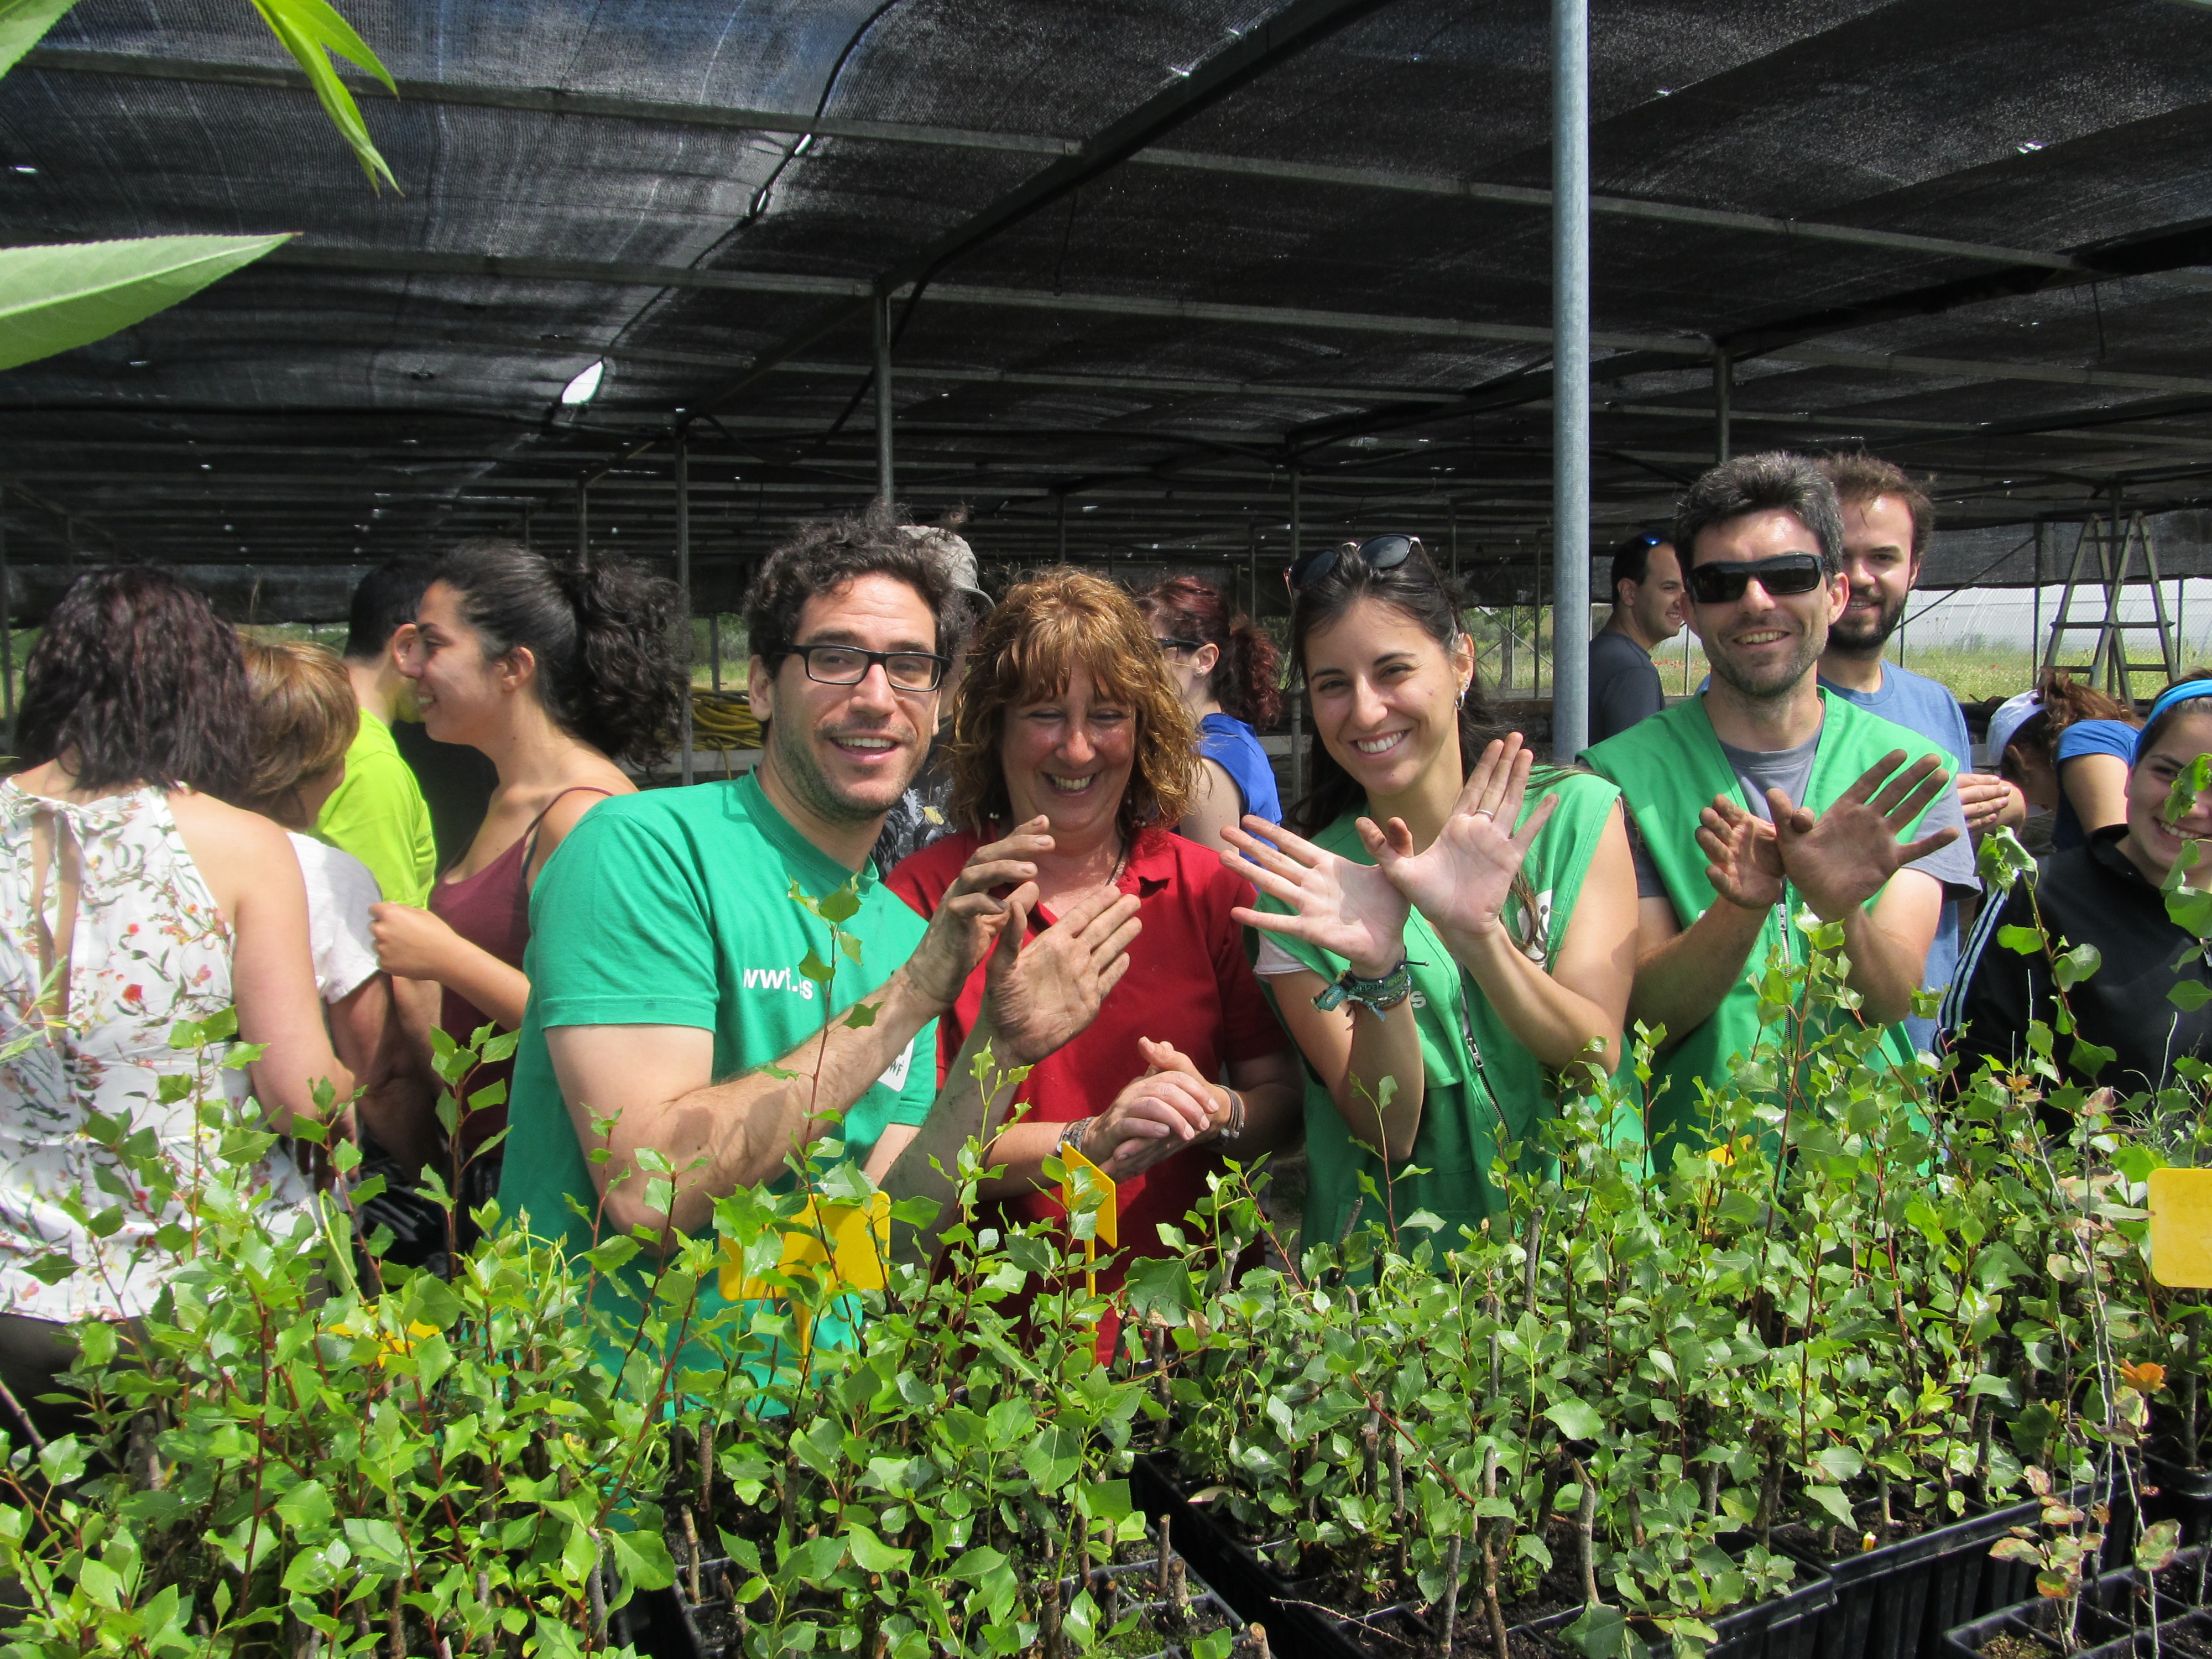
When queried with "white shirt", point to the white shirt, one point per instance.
{"points": [[340, 890]]}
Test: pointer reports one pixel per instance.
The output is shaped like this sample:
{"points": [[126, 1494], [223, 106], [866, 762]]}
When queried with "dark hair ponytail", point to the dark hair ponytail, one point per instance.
{"points": [[606, 635], [1247, 677], [2066, 702], [1425, 597]]}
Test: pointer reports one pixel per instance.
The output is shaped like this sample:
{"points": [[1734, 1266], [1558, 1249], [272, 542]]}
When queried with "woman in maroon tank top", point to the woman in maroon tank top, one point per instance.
{"points": [[556, 673]]}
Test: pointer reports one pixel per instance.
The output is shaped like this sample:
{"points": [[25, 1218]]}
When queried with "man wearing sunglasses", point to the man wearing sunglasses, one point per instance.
{"points": [[692, 1026], [1765, 795]]}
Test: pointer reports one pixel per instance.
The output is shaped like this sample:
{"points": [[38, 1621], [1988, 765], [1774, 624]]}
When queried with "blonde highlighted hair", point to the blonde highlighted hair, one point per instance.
{"points": [[304, 719], [1026, 651]]}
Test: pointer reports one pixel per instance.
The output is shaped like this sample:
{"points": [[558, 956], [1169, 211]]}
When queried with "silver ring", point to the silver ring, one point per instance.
{"points": [[1484, 812]]}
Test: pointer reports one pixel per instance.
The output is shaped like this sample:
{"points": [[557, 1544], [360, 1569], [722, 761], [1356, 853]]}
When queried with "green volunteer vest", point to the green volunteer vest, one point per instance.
{"points": [[1478, 1074], [1670, 768]]}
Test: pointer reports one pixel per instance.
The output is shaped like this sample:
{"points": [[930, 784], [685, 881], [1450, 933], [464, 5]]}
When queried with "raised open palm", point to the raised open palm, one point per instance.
{"points": [[1462, 879], [1348, 909], [1744, 863]]}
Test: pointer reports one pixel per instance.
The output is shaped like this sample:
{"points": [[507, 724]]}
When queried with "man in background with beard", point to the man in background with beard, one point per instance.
{"points": [[1886, 518], [1764, 796]]}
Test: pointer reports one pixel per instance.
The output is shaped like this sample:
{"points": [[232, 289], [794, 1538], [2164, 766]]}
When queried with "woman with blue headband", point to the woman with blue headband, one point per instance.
{"points": [[2105, 893]]}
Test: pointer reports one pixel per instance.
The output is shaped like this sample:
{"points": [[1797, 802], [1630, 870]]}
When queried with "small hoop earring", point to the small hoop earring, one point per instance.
{"points": [[1462, 702]]}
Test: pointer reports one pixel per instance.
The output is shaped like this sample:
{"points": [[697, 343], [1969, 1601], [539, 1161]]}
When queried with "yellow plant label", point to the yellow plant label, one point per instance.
{"points": [[2181, 1227], [1087, 1187], [843, 1246]]}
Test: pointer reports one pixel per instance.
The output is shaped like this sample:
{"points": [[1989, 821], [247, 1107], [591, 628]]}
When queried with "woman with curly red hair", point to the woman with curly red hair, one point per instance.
{"points": [[1069, 724]]}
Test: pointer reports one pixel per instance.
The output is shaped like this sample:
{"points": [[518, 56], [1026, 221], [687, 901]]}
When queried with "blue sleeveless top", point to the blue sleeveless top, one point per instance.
{"points": [[1233, 745]]}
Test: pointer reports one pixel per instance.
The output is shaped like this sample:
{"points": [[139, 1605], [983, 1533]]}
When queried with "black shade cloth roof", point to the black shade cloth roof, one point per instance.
{"points": [[1975, 238]]}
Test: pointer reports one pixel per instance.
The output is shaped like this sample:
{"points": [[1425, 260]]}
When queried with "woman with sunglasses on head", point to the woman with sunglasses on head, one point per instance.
{"points": [[1067, 727], [1440, 940], [2106, 893], [1224, 669], [557, 673]]}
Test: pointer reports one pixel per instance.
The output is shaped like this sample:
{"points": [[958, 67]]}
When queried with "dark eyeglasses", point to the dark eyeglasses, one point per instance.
{"points": [[1166, 646], [847, 664], [1723, 583], [1376, 553]]}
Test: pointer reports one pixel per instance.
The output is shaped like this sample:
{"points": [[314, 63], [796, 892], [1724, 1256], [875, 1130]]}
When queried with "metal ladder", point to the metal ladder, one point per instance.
{"points": [[2110, 545]]}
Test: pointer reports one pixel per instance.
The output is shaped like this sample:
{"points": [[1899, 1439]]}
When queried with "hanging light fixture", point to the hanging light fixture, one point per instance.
{"points": [[584, 386]]}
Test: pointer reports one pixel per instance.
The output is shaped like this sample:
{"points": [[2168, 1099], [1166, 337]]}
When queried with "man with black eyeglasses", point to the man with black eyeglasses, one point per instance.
{"points": [[1765, 796], [691, 1018]]}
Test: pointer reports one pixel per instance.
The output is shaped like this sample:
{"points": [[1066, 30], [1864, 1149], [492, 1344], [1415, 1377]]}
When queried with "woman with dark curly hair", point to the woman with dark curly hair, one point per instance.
{"points": [[132, 898], [1224, 669], [556, 673], [1068, 724]]}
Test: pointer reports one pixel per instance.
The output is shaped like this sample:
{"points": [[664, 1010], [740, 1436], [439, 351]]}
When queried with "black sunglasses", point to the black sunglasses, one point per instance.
{"points": [[1723, 583], [1167, 646], [1376, 553]]}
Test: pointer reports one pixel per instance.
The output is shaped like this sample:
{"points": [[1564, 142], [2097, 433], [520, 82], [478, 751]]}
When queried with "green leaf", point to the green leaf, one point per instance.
{"points": [[2157, 1546], [861, 1016], [2189, 995], [2075, 965], [312, 31], [308, 1505], [642, 1558], [22, 24], [56, 298], [869, 1552], [1600, 1633], [1831, 1499], [1575, 1420], [2025, 940], [1051, 1458], [840, 906], [815, 969]]}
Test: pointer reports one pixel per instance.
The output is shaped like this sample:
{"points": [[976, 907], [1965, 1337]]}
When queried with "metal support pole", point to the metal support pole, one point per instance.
{"points": [[1298, 695], [2035, 644], [883, 311], [1724, 390], [683, 581], [7, 634], [714, 651], [1570, 386], [1252, 564], [583, 521]]}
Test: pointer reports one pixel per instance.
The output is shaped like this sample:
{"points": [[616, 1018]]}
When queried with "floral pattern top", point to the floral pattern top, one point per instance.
{"points": [[146, 946]]}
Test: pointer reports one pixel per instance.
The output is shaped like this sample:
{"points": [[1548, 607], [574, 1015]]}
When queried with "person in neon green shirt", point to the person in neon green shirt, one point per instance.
{"points": [[377, 813], [1766, 795], [1450, 932]]}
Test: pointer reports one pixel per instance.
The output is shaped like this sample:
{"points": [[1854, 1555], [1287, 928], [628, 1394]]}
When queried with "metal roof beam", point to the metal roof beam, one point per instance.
{"points": [[553, 100], [1286, 33], [1674, 352]]}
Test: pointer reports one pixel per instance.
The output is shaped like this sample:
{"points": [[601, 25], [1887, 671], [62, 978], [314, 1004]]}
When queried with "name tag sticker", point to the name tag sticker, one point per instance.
{"points": [[894, 1077]]}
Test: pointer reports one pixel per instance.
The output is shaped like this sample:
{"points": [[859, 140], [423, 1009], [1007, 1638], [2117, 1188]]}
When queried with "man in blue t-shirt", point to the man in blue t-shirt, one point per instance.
{"points": [[1886, 518]]}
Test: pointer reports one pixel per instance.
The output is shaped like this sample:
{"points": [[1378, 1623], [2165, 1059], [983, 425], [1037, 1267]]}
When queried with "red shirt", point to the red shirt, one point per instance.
{"points": [[1187, 983]]}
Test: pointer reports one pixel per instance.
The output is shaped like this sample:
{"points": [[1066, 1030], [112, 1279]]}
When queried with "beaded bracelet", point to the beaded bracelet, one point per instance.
{"points": [[1377, 996]]}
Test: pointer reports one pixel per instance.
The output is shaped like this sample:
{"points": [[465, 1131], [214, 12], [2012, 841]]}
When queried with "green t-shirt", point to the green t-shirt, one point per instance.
{"points": [[378, 815], [1478, 1077], [673, 907]]}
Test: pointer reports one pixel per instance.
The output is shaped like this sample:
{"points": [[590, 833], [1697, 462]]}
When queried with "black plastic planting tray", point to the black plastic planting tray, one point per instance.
{"points": [[667, 1623], [1896, 1602], [1785, 1627]]}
